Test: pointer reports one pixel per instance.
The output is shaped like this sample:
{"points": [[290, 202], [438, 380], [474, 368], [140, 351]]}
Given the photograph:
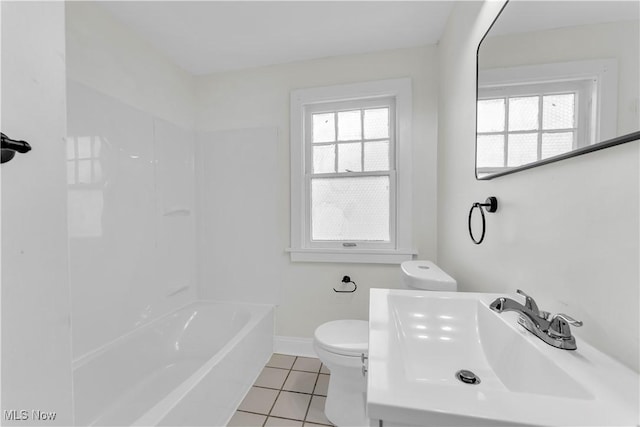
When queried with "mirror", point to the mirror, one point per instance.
{"points": [[556, 79]]}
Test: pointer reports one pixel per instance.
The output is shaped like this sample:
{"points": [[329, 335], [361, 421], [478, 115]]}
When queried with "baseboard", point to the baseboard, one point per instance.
{"points": [[294, 346]]}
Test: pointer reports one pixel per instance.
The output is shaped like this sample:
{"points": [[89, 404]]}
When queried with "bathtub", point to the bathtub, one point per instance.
{"points": [[191, 367]]}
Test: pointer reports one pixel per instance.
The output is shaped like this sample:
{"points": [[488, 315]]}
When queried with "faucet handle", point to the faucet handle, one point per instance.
{"points": [[529, 302], [559, 326]]}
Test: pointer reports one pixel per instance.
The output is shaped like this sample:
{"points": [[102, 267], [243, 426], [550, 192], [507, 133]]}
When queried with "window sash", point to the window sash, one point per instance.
{"points": [[336, 107], [359, 244]]}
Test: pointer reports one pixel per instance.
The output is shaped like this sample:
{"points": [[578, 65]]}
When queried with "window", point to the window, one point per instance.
{"points": [[83, 161], [351, 162]]}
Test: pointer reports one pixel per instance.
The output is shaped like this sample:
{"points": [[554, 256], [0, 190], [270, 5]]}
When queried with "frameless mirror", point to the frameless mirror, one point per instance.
{"points": [[556, 79]]}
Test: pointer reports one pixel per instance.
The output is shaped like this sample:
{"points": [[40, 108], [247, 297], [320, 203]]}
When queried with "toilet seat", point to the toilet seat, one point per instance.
{"points": [[344, 337]]}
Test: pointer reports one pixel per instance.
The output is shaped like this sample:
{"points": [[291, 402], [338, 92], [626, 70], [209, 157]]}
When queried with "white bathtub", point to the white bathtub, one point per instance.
{"points": [[191, 367]]}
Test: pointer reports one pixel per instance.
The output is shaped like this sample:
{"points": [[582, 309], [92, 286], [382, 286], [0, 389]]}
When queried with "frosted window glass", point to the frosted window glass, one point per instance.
{"points": [[376, 123], [523, 113], [376, 156], [490, 151], [350, 208], [558, 111], [350, 157], [324, 159], [349, 125], [491, 115], [556, 143], [522, 149], [324, 128]]}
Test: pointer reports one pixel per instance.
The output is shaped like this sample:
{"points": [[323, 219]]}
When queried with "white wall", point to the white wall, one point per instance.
{"points": [[238, 215], [567, 233], [36, 336], [614, 40], [259, 98], [110, 57], [132, 230]]}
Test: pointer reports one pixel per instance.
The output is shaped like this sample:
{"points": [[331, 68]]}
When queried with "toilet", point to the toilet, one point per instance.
{"points": [[342, 345]]}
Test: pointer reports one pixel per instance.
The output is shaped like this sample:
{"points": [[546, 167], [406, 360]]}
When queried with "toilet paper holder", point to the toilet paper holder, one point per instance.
{"points": [[347, 279]]}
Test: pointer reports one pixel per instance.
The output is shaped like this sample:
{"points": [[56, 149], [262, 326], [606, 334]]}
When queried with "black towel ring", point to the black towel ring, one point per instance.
{"points": [[491, 205]]}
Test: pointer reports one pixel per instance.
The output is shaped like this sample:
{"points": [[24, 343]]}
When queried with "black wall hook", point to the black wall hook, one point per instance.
{"points": [[347, 279], [491, 205]]}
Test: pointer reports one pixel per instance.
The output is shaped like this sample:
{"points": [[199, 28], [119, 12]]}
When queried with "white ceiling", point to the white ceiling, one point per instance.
{"points": [[210, 36]]}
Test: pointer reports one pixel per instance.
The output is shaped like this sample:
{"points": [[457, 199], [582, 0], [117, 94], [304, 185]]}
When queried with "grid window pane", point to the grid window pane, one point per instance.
{"points": [[349, 125], [350, 157], [376, 123], [84, 171], [84, 147], [523, 113], [522, 149], [376, 156], [491, 115], [554, 144], [490, 151], [324, 159], [350, 209], [324, 127], [558, 111]]}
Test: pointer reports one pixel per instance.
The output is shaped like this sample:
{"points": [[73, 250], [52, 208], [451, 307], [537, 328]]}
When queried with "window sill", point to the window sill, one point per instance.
{"points": [[362, 256]]}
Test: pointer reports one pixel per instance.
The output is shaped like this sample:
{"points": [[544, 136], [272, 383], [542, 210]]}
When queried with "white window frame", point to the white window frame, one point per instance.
{"points": [[305, 101]]}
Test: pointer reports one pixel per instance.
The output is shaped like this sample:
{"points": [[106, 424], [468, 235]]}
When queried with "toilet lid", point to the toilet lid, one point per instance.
{"points": [[344, 336]]}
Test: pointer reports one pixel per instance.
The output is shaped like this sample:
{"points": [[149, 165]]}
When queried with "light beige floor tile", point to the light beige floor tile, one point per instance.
{"points": [[281, 361], [307, 364], [324, 369], [245, 419], [272, 378], [322, 385], [316, 411], [291, 405], [281, 422], [259, 400], [300, 381]]}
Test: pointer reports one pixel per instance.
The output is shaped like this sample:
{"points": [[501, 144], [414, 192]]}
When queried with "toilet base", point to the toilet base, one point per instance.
{"points": [[347, 397]]}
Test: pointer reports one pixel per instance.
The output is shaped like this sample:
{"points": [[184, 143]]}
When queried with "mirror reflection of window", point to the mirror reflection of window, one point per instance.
{"points": [[517, 130], [84, 179]]}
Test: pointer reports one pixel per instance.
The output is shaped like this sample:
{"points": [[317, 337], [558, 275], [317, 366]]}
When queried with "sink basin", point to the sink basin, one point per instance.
{"points": [[419, 340]]}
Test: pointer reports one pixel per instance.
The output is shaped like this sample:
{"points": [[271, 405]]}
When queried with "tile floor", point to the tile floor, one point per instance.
{"points": [[290, 391]]}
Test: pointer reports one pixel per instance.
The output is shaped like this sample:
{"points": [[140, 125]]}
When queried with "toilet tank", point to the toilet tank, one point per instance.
{"points": [[427, 276]]}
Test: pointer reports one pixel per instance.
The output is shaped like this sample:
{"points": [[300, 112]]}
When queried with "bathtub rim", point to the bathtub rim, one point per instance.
{"points": [[99, 351], [161, 409]]}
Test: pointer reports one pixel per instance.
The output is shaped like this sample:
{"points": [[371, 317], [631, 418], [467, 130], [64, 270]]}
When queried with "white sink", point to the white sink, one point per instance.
{"points": [[418, 341]]}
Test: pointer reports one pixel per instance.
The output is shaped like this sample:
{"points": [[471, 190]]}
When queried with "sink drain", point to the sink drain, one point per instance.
{"points": [[467, 377]]}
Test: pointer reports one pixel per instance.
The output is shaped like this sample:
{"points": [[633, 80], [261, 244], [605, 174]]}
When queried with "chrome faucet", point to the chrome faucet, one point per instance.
{"points": [[554, 330]]}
